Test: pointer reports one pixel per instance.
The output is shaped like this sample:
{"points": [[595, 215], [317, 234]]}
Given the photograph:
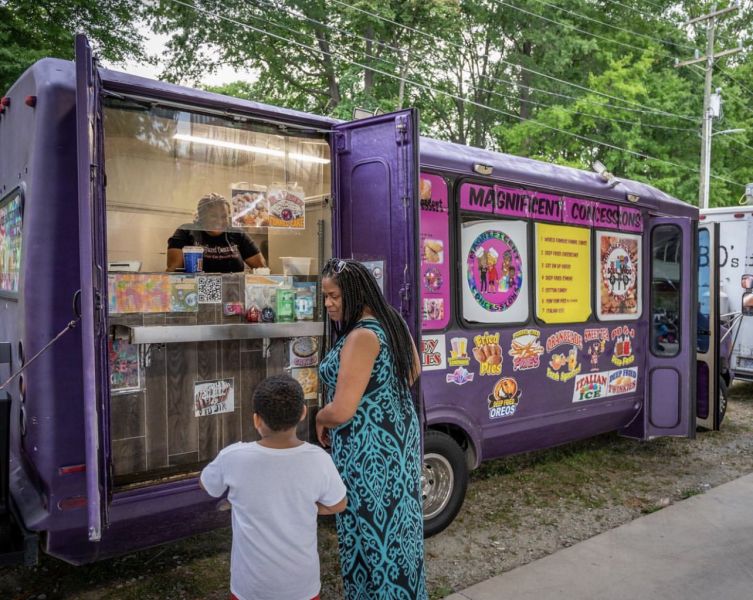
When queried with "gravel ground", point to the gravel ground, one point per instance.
{"points": [[517, 510]]}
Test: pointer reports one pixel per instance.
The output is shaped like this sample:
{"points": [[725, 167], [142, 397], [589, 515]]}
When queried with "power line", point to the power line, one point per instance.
{"points": [[448, 94], [574, 28], [475, 87], [605, 24], [640, 12], [517, 66]]}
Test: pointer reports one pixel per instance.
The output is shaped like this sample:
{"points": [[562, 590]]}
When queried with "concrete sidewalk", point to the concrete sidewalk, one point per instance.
{"points": [[700, 548]]}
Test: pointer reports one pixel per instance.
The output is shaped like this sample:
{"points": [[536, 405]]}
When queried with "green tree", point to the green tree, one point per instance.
{"points": [[32, 30]]}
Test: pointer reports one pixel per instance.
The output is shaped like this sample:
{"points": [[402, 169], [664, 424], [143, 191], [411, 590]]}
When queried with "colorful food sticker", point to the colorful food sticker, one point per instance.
{"points": [[622, 354], [591, 386], [618, 292], [459, 376], [433, 251], [433, 353], [526, 350], [488, 353], [504, 399], [459, 352], [565, 365], [213, 397], [433, 280], [623, 381], [433, 309], [183, 293], [596, 342]]}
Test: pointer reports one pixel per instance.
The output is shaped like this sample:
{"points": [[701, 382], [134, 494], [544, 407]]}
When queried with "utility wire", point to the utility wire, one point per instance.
{"points": [[605, 24], [475, 87], [644, 14], [574, 28], [448, 94], [517, 66]]}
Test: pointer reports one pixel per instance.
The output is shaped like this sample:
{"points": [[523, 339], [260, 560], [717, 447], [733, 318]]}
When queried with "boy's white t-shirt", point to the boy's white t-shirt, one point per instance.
{"points": [[274, 494]]}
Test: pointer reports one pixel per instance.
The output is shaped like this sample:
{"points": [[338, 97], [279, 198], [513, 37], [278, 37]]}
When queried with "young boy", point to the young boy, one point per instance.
{"points": [[276, 487]]}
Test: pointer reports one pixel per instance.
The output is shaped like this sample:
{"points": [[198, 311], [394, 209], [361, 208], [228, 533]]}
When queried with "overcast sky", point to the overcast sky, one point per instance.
{"points": [[155, 46]]}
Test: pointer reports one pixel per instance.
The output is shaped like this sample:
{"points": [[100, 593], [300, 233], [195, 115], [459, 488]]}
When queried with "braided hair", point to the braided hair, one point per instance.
{"points": [[360, 290]]}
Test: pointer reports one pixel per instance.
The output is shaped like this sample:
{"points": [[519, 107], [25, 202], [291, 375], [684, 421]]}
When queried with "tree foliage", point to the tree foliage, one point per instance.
{"points": [[567, 81], [32, 30]]}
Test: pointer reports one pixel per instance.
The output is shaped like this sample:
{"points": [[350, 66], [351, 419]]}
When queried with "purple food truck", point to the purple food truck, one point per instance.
{"points": [[534, 290]]}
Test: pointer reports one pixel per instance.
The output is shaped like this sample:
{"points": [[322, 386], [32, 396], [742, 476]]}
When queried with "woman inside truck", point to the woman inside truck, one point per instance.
{"points": [[225, 250]]}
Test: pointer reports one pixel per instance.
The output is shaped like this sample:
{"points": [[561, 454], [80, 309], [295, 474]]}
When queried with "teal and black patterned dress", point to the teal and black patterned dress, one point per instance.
{"points": [[377, 454]]}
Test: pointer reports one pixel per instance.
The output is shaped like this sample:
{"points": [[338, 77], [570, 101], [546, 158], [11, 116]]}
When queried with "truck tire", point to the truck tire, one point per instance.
{"points": [[723, 399], [444, 479]]}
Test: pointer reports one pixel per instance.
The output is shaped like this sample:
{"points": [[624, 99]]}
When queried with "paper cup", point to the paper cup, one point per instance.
{"points": [[193, 258]]}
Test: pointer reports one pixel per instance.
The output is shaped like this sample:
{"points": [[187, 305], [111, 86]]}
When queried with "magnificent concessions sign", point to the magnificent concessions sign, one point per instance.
{"points": [[512, 202]]}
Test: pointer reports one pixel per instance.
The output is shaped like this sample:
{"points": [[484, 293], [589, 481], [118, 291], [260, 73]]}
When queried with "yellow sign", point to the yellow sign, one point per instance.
{"points": [[563, 271]]}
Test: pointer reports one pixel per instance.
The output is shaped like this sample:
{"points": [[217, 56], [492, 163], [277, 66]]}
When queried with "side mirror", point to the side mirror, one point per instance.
{"points": [[747, 307], [746, 281]]}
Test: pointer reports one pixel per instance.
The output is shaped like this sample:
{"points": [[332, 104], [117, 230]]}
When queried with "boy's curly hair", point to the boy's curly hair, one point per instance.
{"points": [[279, 401]]}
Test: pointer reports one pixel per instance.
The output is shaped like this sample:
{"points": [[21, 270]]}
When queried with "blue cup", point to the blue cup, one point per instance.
{"points": [[193, 257]]}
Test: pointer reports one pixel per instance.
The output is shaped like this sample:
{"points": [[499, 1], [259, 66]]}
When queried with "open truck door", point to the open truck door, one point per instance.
{"points": [[711, 401], [93, 294], [670, 373], [376, 203]]}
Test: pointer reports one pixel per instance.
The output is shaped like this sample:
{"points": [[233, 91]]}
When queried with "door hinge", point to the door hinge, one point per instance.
{"points": [[341, 142], [401, 129], [92, 172]]}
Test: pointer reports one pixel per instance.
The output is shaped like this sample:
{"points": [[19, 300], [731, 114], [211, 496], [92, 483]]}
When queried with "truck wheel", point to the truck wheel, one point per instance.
{"points": [[444, 479], [723, 397]]}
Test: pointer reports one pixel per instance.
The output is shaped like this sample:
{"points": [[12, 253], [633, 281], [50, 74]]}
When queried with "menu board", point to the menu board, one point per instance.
{"points": [[618, 293], [435, 259], [563, 272]]}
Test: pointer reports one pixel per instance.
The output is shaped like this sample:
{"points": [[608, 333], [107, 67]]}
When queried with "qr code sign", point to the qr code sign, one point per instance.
{"points": [[210, 289]]}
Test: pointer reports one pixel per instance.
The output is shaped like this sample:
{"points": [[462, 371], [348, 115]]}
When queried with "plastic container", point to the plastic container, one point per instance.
{"points": [[285, 305], [304, 304], [296, 265]]}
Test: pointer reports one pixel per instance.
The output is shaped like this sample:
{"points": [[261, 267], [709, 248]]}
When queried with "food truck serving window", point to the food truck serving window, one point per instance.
{"points": [[196, 204], [11, 208], [563, 273]]}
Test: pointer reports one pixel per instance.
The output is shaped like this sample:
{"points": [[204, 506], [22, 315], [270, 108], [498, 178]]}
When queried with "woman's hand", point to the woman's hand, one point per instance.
{"points": [[322, 433]]}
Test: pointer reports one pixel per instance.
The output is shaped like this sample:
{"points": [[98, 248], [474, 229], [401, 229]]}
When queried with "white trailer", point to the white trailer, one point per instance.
{"points": [[735, 260]]}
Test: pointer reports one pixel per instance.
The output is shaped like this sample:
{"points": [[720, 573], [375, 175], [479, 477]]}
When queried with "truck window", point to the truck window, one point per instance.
{"points": [[666, 245]]}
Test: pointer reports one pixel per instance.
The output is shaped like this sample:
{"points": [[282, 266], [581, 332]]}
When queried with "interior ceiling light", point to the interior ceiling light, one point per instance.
{"points": [[246, 148]]}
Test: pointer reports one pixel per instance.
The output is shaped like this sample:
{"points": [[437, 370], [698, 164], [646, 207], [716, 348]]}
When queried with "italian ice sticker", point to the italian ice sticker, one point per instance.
{"points": [[495, 273], [504, 399], [591, 386]]}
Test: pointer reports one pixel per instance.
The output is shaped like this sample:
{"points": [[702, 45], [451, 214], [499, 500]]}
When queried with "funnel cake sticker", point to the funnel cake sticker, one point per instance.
{"points": [[504, 399], [526, 350]]}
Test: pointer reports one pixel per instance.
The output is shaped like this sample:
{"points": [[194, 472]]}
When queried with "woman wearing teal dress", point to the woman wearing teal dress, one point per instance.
{"points": [[371, 422]]}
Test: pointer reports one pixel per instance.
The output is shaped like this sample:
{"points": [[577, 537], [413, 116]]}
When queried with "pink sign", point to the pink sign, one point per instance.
{"points": [[479, 198], [435, 252], [578, 212], [511, 202]]}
